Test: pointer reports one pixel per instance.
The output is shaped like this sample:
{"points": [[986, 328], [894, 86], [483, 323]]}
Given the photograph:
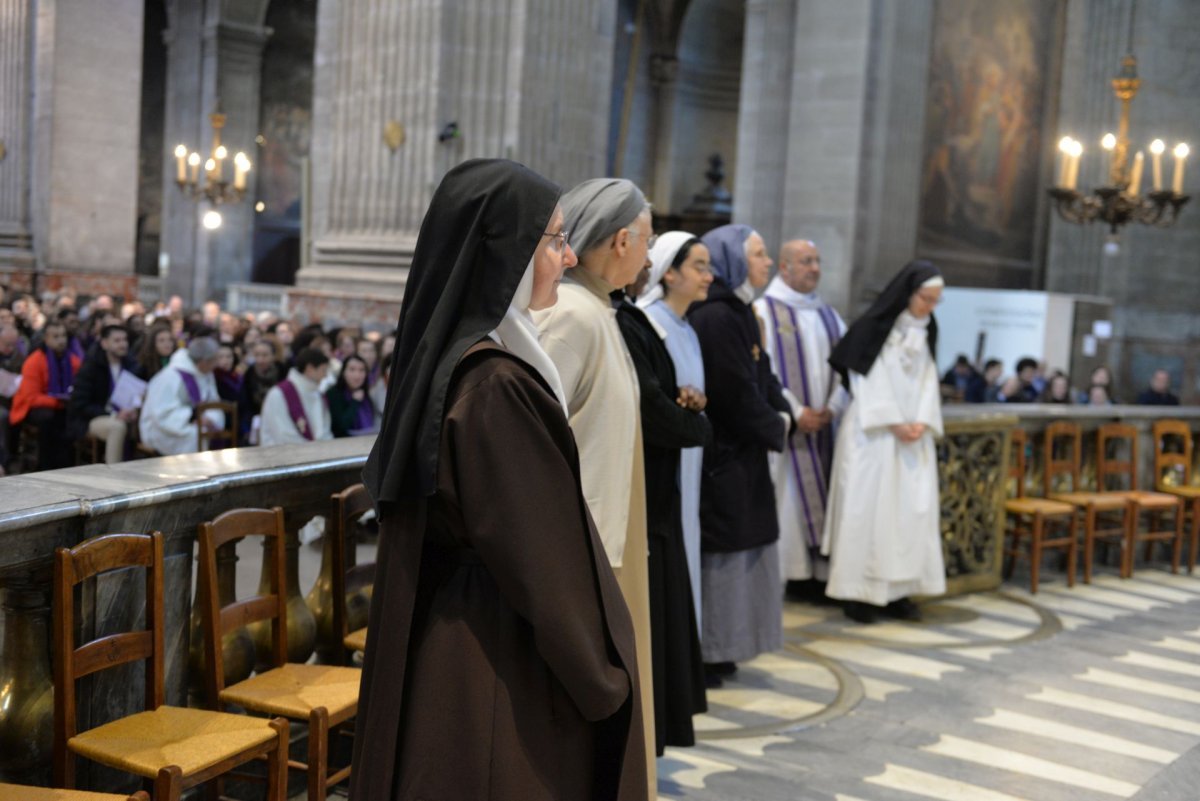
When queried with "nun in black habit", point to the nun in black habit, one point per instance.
{"points": [[671, 420], [500, 655], [882, 527]]}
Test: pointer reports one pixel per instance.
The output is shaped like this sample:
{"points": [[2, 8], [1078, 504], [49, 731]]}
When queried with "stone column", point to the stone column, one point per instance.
{"points": [[830, 133], [802, 127], [523, 79], [214, 56], [16, 32], [87, 70]]}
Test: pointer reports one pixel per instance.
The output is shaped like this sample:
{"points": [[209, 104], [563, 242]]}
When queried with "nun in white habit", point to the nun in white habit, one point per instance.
{"points": [[882, 528]]}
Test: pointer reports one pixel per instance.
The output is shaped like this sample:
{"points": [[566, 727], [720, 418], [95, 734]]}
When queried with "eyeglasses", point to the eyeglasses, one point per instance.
{"points": [[650, 241], [558, 241], [703, 269], [809, 260]]}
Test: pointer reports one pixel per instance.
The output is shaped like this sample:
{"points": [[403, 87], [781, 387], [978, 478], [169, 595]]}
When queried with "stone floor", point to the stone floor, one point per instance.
{"points": [[1069, 695], [1072, 694]]}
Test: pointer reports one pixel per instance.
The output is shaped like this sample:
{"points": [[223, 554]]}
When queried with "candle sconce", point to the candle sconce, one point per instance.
{"points": [[215, 187], [1121, 202]]}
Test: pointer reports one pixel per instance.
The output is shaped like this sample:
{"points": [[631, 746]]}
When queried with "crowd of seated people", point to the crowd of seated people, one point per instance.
{"points": [[126, 380], [1033, 382]]}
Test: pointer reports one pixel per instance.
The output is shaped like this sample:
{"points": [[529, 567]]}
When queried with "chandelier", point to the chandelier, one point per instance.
{"points": [[1121, 201], [215, 187]]}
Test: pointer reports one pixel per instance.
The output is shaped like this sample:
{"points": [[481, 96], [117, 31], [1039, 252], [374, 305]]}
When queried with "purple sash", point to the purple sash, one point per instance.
{"points": [[189, 383], [364, 418], [61, 374], [291, 396], [76, 347]]}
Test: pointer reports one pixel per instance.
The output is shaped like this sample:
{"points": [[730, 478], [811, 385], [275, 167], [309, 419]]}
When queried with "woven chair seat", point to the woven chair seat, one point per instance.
{"points": [[296, 690], [1029, 506], [19, 792], [192, 739], [1104, 501], [1154, 500], [1182, 492], [356, 640]]}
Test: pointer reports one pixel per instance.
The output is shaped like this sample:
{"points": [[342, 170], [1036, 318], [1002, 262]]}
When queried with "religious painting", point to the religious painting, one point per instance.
{"points": [[985, 124]]}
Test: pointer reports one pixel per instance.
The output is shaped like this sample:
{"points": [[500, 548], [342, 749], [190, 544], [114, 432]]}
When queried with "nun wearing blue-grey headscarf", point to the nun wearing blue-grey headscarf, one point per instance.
{"points": [[750, 416]]}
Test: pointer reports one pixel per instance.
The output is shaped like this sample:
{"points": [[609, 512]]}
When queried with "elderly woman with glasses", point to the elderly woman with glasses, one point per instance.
{"points": [[609, 224]]}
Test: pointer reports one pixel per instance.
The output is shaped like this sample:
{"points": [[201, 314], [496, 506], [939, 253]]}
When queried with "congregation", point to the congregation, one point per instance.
{"points": [[80, 371]]}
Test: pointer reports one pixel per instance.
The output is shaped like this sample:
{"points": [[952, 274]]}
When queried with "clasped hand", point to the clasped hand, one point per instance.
{"points": [[908, 432], [811, 421], [692, 399]]}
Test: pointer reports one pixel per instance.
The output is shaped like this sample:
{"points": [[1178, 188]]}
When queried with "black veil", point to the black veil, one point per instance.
{"points": [[859, 348], [478, 236]]}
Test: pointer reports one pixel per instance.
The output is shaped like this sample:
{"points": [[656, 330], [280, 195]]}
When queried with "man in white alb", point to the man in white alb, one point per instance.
{"points": [[799, 332]]}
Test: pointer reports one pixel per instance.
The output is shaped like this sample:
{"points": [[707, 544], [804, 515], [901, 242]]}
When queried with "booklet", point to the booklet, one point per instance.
{"points": [[128, 392], [9, 381]]}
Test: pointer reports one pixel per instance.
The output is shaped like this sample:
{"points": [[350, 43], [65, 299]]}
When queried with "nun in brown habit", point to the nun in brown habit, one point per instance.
{"points": [[500, 660]]}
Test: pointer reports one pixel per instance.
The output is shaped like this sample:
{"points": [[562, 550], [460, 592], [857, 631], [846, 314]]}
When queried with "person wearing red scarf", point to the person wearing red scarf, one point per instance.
{"points": [[46, 380]]}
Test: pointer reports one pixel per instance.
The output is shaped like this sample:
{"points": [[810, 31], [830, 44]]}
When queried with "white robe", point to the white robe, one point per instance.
{"points": [[684, 347], [825, 391], [882, 526], [165, 422], [278, 428]]}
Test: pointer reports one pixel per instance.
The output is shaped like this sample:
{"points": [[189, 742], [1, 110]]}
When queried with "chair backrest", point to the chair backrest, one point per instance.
{"points": [[1067, 434], [1016, 461], [216, 621], [229, 433], [1177, 462], [72, 566], [1111, 466], [348, 506]]}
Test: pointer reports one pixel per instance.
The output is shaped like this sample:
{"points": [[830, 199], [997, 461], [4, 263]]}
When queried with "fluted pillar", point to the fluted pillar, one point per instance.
{"points": [[16, 31], [522, 79], [70, 94]]}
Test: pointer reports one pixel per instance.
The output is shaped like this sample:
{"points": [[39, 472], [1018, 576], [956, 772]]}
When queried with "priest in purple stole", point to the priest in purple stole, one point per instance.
{"points": [[799, 332], [295, 410], [167, 422]]}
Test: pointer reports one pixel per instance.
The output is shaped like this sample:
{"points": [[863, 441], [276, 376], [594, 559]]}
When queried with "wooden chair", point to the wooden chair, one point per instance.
{"points": [[175, 747], [225, 437], [324, 696], [1151, 504], [1097, 508], [89, 450], [1173, 475], [348, 506], [19, 792], [1028, 518]]}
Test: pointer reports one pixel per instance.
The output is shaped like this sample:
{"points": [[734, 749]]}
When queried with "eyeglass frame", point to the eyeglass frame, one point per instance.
{"points": [[650, 240], [563, 238]]}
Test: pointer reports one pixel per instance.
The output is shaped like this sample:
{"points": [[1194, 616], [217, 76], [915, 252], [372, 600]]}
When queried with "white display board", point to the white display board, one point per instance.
{"points": [[1006, 325]]}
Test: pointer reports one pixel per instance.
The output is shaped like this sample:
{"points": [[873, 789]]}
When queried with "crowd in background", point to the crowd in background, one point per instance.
{"points": [[62, 355], [1033, 382]]}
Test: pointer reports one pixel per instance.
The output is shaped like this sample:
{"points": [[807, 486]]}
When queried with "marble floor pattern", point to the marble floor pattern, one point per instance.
{"points": [[1081, 694]]}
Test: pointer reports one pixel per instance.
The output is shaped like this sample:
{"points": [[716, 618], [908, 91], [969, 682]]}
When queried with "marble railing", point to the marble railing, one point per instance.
{"points": [[42, 511]]}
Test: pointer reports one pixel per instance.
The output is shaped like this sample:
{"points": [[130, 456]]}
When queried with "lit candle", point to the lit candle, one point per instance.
{"points": [[180, 163], [1073, 174], [194, 163], [1109, 143], [1135, 177], [241, 167], [219, 154], [1064, 166], [1156, 150], [1181, 154]]}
